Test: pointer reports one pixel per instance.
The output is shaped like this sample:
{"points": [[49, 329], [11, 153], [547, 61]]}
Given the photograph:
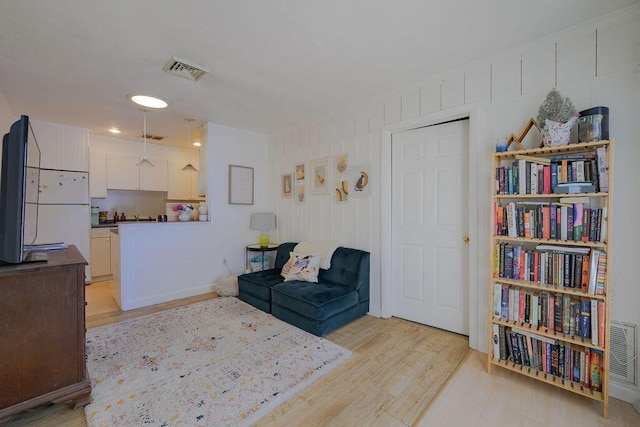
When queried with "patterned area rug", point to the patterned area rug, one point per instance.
{"points": [[214, 363]]}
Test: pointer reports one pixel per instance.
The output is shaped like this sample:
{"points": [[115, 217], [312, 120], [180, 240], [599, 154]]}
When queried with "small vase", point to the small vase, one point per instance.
{"points": [[184, 216]]}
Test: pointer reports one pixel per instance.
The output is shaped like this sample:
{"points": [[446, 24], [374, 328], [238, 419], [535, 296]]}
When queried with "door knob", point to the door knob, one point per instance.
{"points": [[465, 239]]}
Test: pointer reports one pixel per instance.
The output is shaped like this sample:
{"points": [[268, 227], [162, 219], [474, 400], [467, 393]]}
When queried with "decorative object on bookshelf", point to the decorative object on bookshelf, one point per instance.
{"points": [[557, 115], [523, 133], [593, 124], [549, 290]]}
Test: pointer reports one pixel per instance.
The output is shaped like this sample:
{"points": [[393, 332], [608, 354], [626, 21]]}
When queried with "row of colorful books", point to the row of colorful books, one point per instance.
{"points": [[556, 174], [561, 313], [563, 360], [566, 266], [551, 221]]}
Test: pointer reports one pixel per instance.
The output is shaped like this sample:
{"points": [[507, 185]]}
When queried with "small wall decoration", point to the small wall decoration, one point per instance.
{"points": [[340, 165], [240, 185], [360, 176], [319, 176], [301, 193], [287, 186], [341, 190], [300, 172]]}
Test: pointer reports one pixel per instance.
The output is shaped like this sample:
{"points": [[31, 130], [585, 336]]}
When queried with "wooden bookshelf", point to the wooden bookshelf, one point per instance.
{"points": [[564, 280]]}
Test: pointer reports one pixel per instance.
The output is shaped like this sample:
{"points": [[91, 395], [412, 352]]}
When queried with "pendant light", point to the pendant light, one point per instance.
{"points": [[189, 167], [145, 162]]}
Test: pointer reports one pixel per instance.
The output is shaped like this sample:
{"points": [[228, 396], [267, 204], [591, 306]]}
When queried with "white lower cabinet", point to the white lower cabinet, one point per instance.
{"points": [[100, 252]]}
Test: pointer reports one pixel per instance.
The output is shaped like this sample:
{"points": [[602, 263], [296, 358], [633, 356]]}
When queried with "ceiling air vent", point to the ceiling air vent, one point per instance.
{"points": [[153, 137], [181, 68]]}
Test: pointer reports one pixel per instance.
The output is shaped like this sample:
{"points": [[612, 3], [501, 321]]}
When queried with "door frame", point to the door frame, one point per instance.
{"points": [[470, 111]]}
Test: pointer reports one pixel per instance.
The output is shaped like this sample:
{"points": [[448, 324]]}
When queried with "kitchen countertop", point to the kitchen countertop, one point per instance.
{"points": [[110, 223], [133, 221]]}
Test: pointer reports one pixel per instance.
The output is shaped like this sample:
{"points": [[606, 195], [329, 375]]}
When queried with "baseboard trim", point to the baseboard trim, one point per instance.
{"points": [[166, 297]]}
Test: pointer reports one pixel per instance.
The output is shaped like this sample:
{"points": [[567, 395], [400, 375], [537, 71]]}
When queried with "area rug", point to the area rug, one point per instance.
{"points": [[220, 362]]}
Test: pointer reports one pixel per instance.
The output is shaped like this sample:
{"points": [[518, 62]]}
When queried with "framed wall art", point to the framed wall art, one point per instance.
{"points": [[287, 186], [300, 172], [340, 165], [301, 193], [240, 185], [319, 170], [360, 180], [341, 190]]}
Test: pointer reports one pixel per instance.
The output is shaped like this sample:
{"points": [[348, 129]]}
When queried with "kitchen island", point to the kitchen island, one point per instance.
{"points": [[155, 262]]}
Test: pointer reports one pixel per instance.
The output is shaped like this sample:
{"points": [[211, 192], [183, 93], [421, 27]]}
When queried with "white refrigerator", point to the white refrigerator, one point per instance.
{"points": [[63, 214]]}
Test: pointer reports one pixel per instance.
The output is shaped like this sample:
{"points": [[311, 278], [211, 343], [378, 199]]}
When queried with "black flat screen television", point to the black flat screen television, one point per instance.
{"points": [[14, 193]]}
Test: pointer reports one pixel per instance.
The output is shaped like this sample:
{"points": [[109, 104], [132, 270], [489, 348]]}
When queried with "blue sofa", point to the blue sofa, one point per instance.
{"points": [[340, 296]]}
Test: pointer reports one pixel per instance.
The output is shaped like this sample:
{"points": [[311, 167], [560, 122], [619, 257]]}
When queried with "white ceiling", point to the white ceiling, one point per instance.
{"points": [[273, 63]]}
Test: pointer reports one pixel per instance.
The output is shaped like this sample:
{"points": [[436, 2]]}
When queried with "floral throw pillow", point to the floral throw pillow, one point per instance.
{"points": [[301, 267]]}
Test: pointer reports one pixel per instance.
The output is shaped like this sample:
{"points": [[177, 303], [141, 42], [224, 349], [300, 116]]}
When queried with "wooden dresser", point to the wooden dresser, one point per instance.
{"points": [[42, 333]]}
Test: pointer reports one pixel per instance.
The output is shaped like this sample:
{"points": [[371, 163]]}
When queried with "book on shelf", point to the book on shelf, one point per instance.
{"points": [[585, 318], [551, 221], [497, 299], [603, 168], [587, 368], [596, 370], [593, 271], [601, 322], [534, 159], [601, 275], [496, 340], [574, 188], [502, 329], [594, 322]]}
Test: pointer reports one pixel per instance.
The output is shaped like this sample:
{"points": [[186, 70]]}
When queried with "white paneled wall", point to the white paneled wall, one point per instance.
{"points": [[597, 63]]}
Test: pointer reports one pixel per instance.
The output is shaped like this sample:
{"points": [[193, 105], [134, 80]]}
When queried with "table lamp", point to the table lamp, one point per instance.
{"points": [[263, 222]]}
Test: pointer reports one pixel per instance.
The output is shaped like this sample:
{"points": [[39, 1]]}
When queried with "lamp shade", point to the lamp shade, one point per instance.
{"points": [[263, 221]]}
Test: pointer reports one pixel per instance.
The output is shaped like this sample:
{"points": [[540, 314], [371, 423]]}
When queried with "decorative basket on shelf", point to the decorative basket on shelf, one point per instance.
{"points": [[259, 263]]}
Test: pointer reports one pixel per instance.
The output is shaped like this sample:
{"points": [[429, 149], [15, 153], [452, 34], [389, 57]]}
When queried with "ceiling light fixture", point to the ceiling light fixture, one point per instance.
{"points": [[145, 162], [114, 130], [147, 101], [189, 167], [196, 143]]}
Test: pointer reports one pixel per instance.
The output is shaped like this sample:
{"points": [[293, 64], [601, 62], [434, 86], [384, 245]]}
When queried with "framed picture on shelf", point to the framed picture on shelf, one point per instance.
{"points": [[359, 178], [301, 193], [341, 190], [300, 172], [319, 169], [287, 186], [341, 165]]}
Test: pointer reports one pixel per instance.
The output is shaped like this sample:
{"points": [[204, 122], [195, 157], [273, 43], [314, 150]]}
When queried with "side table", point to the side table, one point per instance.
{"points": [[262, 249]]}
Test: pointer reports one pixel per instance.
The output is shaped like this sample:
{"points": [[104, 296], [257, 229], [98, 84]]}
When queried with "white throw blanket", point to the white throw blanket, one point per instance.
{"points": [[324, 248]]}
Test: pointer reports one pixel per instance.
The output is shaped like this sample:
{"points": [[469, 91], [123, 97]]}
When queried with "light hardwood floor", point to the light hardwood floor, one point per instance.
{"points": [[389, 381]]}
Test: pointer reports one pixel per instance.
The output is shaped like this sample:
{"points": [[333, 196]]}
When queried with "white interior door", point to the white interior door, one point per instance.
{"points": [[429, 225]]}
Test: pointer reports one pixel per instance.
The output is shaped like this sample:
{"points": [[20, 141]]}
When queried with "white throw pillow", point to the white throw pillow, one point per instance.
{"points": [[226, 286], [301, 267]]}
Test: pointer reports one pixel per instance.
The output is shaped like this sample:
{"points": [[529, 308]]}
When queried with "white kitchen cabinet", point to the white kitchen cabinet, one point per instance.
{"points": [[97, 174], [155, 178], [179, 181], [123, 173], [100, 252], [183, 185]]}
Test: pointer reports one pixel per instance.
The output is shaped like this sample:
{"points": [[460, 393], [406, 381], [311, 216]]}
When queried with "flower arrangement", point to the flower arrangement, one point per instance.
{"points": [[183, 207], [556, 117], [556, 108]]}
